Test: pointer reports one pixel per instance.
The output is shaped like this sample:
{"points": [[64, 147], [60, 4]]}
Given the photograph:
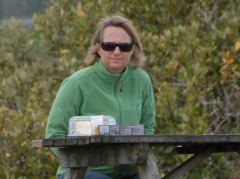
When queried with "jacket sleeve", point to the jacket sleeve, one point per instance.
{"points": [[148, 108], [66, 104]]}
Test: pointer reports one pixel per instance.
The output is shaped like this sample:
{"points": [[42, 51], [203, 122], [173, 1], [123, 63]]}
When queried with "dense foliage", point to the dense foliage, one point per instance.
{"points": [[193, 58]]}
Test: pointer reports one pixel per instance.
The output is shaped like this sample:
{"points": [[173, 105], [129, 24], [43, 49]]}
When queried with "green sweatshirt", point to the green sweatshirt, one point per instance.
{"points": [[128, 97]]}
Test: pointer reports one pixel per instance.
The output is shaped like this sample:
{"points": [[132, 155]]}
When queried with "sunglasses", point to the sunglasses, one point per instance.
{"points": [[110, 46]]}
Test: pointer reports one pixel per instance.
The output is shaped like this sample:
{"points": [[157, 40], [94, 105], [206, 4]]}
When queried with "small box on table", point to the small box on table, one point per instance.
{"points": [[121, 129]]}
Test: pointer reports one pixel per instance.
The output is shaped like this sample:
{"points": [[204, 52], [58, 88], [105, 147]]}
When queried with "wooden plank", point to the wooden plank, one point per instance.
{"points": [[188, 165], [48, 142], [83, 140], [59, 142], [37, 143], [95, 139], [76, 141], [102, 155], [72, 142]]}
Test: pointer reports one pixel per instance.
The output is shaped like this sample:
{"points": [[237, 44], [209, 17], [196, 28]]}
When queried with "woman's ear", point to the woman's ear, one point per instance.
{"points": [[99, 52], [98, 49]]}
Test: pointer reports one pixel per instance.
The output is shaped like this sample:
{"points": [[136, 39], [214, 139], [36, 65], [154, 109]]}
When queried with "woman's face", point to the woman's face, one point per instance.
{"points": [[115, 59]]}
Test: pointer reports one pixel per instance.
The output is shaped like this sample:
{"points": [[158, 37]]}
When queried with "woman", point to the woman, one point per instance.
{"points": [[112, 84]]}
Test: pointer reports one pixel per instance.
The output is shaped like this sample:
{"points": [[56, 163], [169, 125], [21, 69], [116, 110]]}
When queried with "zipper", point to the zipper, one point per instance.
{"points": [[121, 85], [118, 82]]}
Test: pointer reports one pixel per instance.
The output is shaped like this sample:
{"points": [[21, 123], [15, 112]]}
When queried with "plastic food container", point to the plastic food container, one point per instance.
{"points": [[88, 125]]}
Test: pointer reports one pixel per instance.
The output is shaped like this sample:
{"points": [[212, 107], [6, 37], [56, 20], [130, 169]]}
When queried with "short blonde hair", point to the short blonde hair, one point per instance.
{"points": [[137, 58]]}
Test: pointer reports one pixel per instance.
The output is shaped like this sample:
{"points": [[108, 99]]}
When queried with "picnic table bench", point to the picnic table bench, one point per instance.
{"points": [[77, 153]]}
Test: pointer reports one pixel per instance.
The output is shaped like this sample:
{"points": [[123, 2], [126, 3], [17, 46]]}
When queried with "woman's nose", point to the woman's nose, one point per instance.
{"points": [[116, 50]]}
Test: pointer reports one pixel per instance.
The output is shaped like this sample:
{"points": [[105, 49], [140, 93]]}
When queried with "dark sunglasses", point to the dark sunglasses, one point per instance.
{"points": [[110, 46]]}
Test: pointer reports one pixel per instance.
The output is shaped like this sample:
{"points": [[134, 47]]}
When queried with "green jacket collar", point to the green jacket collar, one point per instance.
{"points": [[103, 71]]}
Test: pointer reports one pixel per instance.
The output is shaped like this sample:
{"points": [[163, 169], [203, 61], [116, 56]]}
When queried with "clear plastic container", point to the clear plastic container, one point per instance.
{"points": [[88, 125]]}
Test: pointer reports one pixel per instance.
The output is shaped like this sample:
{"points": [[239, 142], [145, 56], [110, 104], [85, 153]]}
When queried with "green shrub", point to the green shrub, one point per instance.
{"points": [[27, 90]]}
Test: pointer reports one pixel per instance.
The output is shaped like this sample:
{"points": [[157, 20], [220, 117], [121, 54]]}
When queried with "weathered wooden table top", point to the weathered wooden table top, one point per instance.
{"points": [[160, 139]]}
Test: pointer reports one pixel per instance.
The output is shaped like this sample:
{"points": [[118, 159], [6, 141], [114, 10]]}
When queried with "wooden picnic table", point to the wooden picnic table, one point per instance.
{"points": [[77, 153]]}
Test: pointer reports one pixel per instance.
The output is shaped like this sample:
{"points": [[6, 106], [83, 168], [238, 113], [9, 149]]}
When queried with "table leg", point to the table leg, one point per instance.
{"points": [[149, 170], [75, 173]]}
